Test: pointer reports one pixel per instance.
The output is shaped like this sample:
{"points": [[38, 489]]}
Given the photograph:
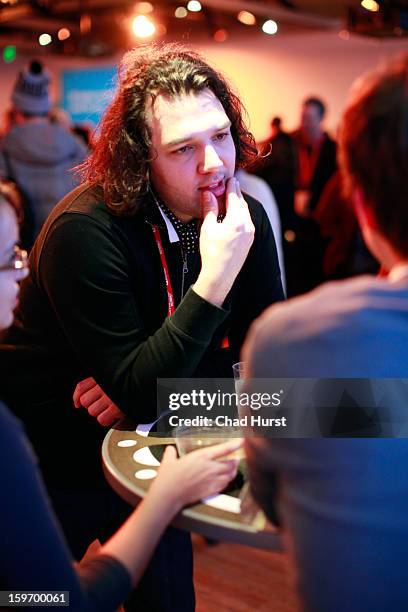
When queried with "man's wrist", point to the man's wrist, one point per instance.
{"points": [[210, 290]]}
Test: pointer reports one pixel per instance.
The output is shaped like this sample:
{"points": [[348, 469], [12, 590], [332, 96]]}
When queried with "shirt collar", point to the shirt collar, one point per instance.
{"points": [[171, 230], [185, 233]]}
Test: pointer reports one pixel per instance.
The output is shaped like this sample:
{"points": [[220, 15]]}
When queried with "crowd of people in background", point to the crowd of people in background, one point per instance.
{"points": [[321, 238]]}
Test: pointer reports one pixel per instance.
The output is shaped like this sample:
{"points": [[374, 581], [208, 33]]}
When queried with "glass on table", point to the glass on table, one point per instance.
{"points": [[240, 370], [188, 439]]}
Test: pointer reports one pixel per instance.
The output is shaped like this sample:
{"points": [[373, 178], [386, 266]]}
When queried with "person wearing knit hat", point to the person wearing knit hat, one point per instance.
{"points": [[37, 153], [30, 95]]}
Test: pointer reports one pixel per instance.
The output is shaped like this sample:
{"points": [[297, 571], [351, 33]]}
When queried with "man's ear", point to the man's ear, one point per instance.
{"points": [[364, 213]]}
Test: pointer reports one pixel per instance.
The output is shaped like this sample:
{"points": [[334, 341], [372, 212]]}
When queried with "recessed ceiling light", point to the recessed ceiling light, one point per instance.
{"points": [[194, 6], [270, 27], [246, 18], [180, 12], [370, 5], [44, 39]]}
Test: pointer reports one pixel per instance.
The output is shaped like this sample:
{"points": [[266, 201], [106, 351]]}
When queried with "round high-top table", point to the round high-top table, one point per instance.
{"points": [[130, 460]]}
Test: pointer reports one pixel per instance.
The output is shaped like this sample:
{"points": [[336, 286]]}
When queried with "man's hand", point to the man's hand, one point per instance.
{"points": [[92, 397], [223, 246]]}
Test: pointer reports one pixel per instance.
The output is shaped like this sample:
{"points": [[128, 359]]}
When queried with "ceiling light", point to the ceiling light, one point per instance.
{"points": [[142, 27], [194, 6], [370, 5], [180, 12], [246, 18], [270, 27], [44, 39], [63, 34]]}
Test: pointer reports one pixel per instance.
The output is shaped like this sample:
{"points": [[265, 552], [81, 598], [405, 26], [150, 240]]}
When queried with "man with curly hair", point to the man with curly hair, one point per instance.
{"points": [[154, 267]]}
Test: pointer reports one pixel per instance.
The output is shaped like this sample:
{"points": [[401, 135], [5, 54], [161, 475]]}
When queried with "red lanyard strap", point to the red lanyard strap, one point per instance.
{"points": [[170, 294]]}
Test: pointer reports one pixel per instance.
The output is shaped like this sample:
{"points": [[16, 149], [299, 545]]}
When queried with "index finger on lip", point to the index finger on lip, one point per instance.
{"points": [[231, 195], [239, 192]]}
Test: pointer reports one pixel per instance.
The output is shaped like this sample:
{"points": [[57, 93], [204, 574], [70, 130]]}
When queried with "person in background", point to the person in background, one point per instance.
{"points": [[258, 188], [316, 156], [37, 154], [277, 166], [315, 163], [344, 501], [35, 556], [153, 268]]}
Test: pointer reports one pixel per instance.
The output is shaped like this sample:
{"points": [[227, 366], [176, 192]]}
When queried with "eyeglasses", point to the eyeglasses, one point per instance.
{"points": [[18, 261]]}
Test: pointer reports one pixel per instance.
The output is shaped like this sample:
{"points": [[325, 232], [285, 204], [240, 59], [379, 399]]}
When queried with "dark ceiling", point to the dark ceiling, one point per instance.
{"points": [[101, 27]]}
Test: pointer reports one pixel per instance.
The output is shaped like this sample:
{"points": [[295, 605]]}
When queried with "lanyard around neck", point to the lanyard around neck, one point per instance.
{"points": [[170, 294]]}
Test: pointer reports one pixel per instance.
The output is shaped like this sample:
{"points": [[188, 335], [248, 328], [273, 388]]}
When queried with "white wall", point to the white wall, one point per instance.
{"points": [[272, 74], [275, 74]]}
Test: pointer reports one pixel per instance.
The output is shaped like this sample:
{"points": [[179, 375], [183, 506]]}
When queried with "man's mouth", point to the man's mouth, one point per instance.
{"points": [[216, 187]]}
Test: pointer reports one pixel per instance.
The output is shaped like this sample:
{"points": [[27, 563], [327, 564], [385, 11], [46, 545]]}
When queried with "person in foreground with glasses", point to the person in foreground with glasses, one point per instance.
{"points": [[29, 530]]}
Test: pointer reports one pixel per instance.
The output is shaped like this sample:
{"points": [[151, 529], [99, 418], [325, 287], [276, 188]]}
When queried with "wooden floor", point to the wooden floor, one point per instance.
{"points": [[232, 578]]}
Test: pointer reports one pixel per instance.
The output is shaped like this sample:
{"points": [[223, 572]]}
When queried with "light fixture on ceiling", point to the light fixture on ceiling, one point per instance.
{"points": [[143, 27], [44, 39], [370, 5], [194, 6], [270, 27], [181, 12], [246, 18], [63, 34]]}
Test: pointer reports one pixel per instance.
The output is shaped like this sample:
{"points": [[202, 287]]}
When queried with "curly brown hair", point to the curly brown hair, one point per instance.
{"points": [[119, 162]]}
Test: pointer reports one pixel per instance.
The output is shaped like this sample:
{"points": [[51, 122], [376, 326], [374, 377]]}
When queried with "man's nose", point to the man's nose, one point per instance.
{"points": [[211, 160]]}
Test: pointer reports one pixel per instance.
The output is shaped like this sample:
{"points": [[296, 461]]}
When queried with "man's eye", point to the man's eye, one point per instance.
{"points": [[184, 149], [222, 136]]}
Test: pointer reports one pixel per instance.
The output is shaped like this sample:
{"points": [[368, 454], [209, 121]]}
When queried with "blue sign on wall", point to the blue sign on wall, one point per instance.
{"points": [[86, 93]]}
